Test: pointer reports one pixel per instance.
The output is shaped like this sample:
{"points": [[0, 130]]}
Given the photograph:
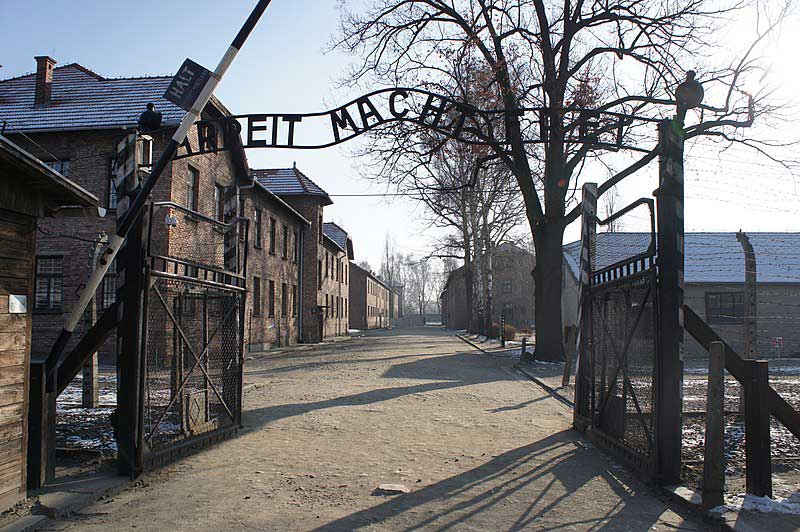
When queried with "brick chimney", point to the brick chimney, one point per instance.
{"points": [[44, 79]]}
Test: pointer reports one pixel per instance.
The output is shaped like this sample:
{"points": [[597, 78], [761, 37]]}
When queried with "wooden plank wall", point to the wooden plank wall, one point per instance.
{"points": [[17, 255]]}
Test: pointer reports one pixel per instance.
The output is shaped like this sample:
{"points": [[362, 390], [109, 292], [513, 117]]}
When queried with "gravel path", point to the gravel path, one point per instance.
{"points": [[478, 446]]}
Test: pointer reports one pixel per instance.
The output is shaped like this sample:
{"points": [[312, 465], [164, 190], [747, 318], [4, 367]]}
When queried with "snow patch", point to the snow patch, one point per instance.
{"points": [[747, 502]]}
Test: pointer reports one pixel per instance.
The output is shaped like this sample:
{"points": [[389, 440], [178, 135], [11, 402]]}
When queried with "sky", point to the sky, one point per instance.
{"points": [[285, 67]]}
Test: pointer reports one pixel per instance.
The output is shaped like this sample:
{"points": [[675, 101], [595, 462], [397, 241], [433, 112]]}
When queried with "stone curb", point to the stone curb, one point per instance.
{"points": [[58, 504]]}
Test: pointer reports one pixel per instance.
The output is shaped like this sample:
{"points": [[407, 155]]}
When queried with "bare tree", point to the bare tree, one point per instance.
{"points": [[364, 264], [420, 284], [611, 206], [391, 271], [625, 56]]}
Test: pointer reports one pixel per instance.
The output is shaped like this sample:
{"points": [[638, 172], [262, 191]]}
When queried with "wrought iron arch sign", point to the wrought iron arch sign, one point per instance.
{"points": [[441, 114]]}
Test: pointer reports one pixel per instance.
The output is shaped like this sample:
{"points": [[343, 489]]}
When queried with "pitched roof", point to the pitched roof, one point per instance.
{"points": [[280, 202], [82, 99], [335, 233], [371, 275], [290, 182], [51, 186], [710, 257]]}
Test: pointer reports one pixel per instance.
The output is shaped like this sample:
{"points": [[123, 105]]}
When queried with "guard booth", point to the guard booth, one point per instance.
{"points": [[29, 189]]}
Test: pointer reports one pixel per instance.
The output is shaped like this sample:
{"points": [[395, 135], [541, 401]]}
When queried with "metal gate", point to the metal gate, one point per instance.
{"points": [[617, 392], [192, 342]]}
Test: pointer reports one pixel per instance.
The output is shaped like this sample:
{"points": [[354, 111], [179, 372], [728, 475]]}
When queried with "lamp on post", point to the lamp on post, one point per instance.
{"points": [[688, 95]]}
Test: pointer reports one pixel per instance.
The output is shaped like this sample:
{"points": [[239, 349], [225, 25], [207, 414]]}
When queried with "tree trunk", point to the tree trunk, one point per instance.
{"points": [[547, 279], [487, 275], [467, 261]]}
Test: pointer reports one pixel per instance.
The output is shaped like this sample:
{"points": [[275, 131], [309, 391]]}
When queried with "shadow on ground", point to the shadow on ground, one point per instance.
{"points": [[445, 372], [549, 472]]}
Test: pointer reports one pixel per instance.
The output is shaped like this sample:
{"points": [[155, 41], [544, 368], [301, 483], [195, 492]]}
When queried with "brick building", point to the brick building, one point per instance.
{"points": [[274, 314], [325, 254], [73, 119], [455, 314], [370, 300], [512, 290]]}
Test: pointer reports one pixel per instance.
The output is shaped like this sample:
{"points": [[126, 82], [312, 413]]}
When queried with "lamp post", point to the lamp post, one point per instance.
{"points": [[688, 95]]}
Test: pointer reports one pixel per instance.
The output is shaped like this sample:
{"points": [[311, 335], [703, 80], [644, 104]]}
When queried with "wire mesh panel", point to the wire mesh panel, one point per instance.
{"points": [[623, 363], [193, 330], [192, 374], [618, 393]]}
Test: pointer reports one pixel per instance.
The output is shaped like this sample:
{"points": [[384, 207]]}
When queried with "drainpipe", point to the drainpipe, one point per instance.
{"points": [[300, 271]]}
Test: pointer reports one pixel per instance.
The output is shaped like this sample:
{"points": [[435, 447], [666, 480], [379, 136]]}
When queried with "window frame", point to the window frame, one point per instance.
{"points": [[719, 319], [284, 300], [219, 202], [285, 247], [258, 217], [49, 277], [271, 299], [108, 294], [272, 235], [193, 189], [256, 296]]}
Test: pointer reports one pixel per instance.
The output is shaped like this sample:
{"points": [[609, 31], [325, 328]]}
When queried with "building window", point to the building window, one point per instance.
{"points": [[285, 241], [241, 207], [320, 229], [109, 287], [257, 228], [296, 246], [724, 307], [284, 300], [327, 265], [219, 202], [507, 286], [192, 187], [319, 273], [256, 296], [327, 306], [112, 188], [271, 296], [272, 236], [49, 282], [294, 300], [62, 167]]}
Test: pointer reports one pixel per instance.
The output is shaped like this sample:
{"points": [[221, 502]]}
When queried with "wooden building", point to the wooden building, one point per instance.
{"points": [[29, 190]]}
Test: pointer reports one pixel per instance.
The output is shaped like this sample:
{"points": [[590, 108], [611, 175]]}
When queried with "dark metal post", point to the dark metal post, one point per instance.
{"points": [[127, 429], [669, 366], [583, 384], [714, 455], [41, 428], [756, 427]]}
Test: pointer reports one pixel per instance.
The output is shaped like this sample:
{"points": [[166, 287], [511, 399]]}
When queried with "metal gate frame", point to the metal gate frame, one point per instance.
{"points": [[666, 265], [144, 269], [604, 393], [152, 456]]}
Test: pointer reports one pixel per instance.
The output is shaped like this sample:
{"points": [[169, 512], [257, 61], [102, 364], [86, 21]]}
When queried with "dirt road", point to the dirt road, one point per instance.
{"points": [[478, 446]]}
